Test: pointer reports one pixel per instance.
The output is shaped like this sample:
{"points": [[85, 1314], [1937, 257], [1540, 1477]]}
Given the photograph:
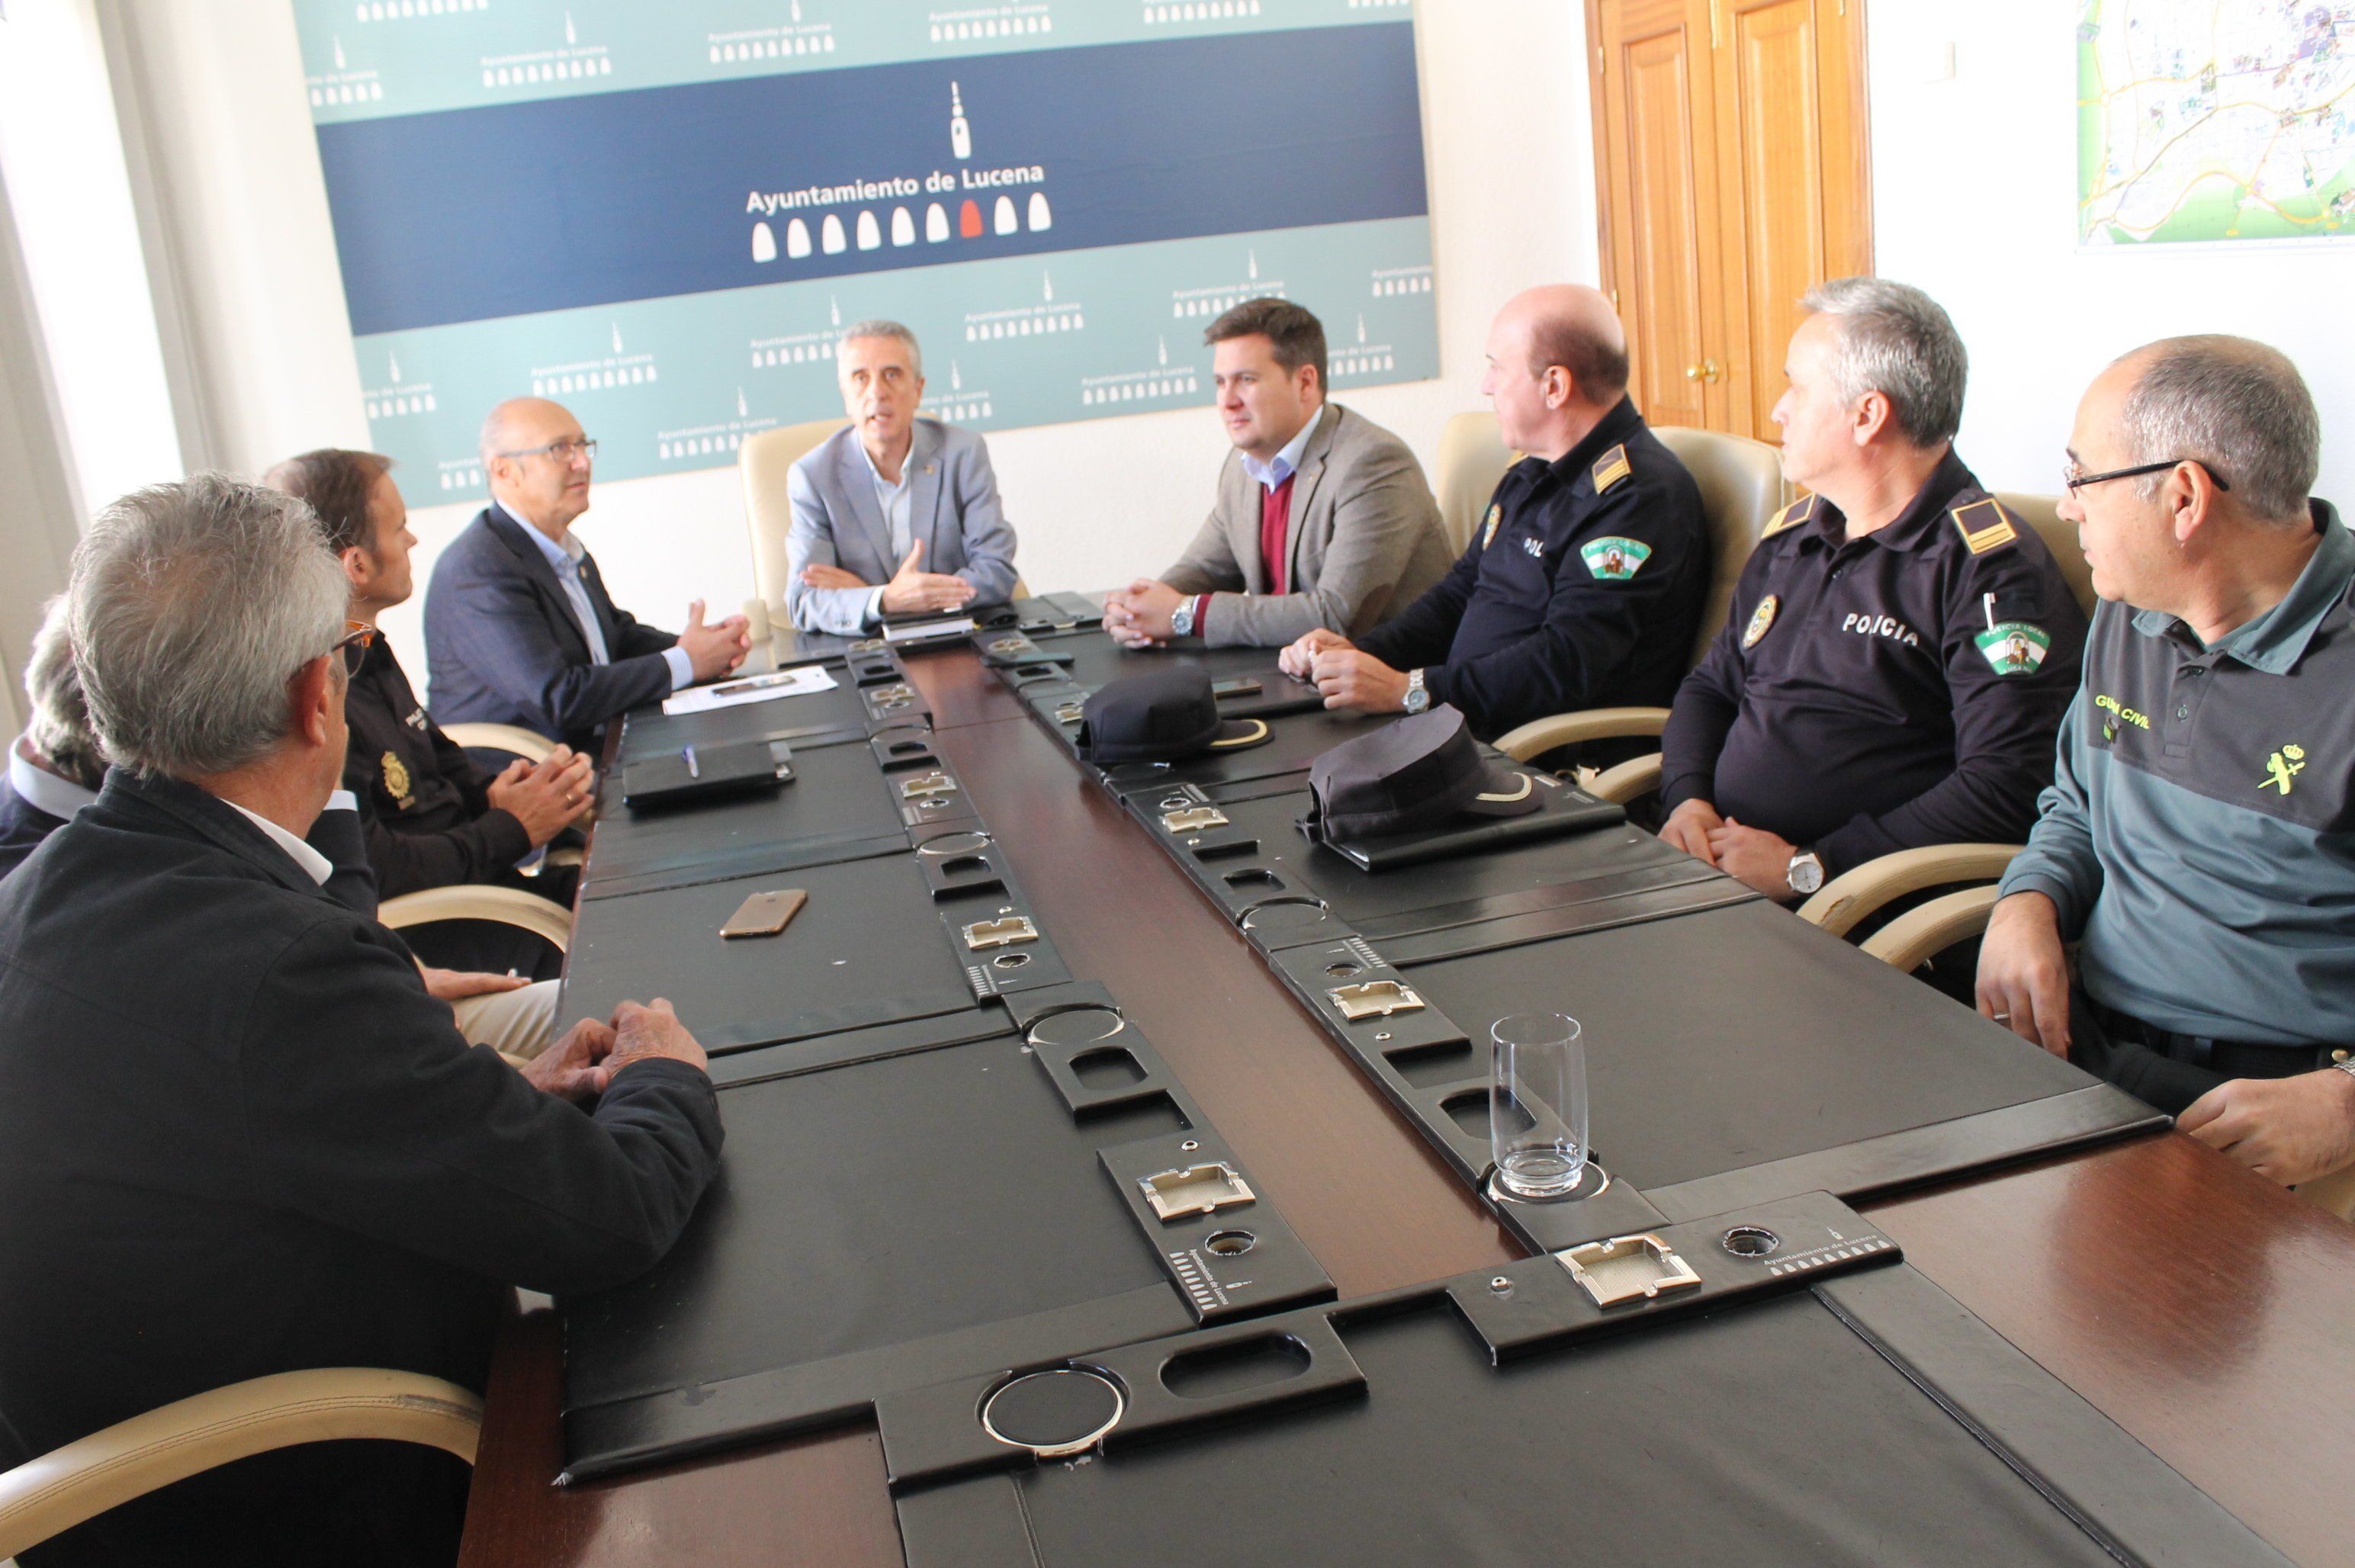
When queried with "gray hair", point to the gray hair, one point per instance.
{"points": [[1897, 341], [58, 723], [878, 328], [2235, 406], [191, 607]]}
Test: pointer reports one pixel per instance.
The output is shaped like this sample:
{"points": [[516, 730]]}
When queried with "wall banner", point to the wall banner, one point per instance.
{"points": [[662, 215]]}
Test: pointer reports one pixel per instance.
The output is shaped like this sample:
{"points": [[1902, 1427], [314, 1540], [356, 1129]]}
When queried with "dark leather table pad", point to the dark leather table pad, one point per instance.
{"points": [[1768, 1433], [872, 1205], [785, 717], [868, 947], [1787, 1051], [837, 794]]}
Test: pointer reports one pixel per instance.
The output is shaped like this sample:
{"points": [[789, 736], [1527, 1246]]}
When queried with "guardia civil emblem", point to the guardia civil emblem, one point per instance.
{"points": [[1759, 619], [1488, 534], [2014, 647], [395, 781], [1612, 559]]}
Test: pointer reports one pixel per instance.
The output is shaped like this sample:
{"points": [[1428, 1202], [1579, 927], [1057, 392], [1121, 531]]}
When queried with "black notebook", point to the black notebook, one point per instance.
{"points": [[666, 777]]}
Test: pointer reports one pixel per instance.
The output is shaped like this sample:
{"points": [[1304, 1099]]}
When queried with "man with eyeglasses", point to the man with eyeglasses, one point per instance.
{"points": [[518, 627], [1900, 648], [239, 1136], [2197, 842]]}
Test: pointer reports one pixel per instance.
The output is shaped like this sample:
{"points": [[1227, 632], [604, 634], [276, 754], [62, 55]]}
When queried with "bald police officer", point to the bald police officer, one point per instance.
{"points": [[1900, 648], [2199, 842], [1583, 586]]}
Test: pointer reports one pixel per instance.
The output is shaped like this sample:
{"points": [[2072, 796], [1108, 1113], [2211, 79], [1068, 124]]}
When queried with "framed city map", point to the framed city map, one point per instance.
{"points": [[2208, 120]]}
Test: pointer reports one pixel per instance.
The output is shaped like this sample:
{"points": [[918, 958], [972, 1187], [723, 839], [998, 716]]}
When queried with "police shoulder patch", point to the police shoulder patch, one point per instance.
{"points": [[1760, 620], [1985, 526], [1489, 528], [1614, 558], [1611, 468], [1790, 517]]}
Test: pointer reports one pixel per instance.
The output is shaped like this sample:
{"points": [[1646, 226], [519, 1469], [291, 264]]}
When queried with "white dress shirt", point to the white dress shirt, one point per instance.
{"points": [[43, 790], [895, 502], [564, 558]]}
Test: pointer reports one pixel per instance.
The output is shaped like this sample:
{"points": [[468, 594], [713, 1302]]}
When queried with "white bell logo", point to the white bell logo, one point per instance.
{"points": [[797, 243], [936, 223], [870, 233], [1040, 217], [1006, 221], [960, 132], [765, 243], [829, 236], [903, 227]]}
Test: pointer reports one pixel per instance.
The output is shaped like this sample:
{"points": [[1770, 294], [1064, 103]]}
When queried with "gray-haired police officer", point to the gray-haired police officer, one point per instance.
{"points": [[1583, 587], [1900, 648]]}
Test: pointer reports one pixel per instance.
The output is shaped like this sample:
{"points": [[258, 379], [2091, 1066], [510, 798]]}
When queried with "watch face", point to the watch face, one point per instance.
{"points": [[1807, 874]]}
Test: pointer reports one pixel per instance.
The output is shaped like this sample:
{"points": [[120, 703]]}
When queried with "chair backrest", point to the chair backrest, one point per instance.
{"points": [[2043, 512], [1741, 485], [762, 464], [1472, 462]]}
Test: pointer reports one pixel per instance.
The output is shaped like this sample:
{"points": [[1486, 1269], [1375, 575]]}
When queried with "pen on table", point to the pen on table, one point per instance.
{"points": [[686, 754]]}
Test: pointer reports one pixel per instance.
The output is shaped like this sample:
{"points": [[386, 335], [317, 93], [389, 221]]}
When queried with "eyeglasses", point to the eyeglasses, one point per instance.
{"points": [[563, 451], [354, 646], [2077, 478]]}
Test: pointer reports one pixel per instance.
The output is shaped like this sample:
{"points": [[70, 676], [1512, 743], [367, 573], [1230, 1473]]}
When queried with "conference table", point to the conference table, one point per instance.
{"points": [[2207, 1313]]}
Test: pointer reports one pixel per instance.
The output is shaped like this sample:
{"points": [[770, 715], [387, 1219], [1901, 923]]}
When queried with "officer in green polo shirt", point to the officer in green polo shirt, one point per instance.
{"points": [[2198, 840]]}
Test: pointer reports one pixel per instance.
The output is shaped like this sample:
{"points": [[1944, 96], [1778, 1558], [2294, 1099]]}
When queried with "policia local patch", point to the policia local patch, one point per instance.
{"points": [[1612, 559], [2014, 647]]}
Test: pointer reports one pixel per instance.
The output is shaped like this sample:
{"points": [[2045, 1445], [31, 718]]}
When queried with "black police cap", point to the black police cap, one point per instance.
{"points": [[1162, 716], [1418, 772]]}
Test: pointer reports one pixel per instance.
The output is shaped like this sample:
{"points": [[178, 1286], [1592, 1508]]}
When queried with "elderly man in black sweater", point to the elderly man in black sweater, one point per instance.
{"points": [[236, 1136]]}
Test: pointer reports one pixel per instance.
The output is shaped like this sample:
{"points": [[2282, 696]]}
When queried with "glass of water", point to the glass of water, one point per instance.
{"points": [[1537, 1105]]}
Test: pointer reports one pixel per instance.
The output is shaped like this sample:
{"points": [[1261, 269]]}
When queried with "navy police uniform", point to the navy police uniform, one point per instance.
{"points": [[1583, 587], [1888, 692]]}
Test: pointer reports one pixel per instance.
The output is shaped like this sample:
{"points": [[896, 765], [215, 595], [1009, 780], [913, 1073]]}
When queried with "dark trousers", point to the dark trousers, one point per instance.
{"points": [[2169, 1071]]}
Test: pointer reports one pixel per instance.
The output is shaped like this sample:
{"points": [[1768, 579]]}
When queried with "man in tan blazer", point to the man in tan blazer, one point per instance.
{"points": [[1323, 519]]}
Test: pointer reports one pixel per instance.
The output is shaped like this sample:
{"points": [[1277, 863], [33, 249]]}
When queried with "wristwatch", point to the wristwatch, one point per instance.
{"points": [[1807, 872], [1181, 619], [1417, 699], [2344, 1061]]}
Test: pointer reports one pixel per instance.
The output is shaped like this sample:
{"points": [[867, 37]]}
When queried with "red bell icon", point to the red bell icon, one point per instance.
{"points": [[969, 220]]}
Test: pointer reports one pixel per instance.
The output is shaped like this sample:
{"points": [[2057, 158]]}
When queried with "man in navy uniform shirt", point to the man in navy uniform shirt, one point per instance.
{"points": [[1900, 648], [1583, 586]]}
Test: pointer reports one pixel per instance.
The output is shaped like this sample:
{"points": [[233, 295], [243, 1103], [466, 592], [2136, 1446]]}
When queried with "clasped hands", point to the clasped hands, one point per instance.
{"points": [[548, 796], [1758, 859], [1345, 675], [911, 589]]}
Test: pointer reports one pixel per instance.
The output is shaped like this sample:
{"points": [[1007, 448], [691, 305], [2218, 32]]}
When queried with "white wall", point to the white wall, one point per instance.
{"points": [[1511, 162], [1975, 194]]}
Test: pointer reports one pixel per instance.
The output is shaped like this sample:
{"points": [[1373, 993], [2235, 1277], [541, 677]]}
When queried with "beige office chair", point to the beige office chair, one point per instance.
{"points": [[512, 739], [1472, 462], [71, 1485], [2043, 512], [762, 464], [1741, 485], [474, 901]]}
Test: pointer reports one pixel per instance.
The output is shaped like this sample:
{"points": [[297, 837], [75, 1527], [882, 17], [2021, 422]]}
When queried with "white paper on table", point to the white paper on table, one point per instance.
{"points": [[796, 682], [915, 631]]}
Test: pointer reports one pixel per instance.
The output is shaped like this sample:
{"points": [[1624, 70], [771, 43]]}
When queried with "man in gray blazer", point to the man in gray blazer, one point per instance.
{"points": [[895, 515], [1323, 518]]}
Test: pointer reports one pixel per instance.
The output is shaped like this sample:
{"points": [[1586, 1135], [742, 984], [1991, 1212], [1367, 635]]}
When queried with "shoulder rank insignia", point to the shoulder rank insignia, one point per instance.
{"points": [[395, 781], [1488, 529], [1759, 619], [1790, 517], [1611, 468], [2014, 647], [1985, 526], [1612, 559]]}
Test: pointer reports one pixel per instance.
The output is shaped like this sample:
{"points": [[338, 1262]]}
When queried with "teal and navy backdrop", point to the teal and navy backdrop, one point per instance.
{"points": [[660, 213]]}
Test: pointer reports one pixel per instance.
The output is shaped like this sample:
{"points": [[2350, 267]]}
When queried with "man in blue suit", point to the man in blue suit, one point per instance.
{"points": [[518, 627], [895, 515]]}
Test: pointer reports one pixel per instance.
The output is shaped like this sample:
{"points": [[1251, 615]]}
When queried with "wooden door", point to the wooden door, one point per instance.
{"points": [[1775, 172], [1655, 108]]}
